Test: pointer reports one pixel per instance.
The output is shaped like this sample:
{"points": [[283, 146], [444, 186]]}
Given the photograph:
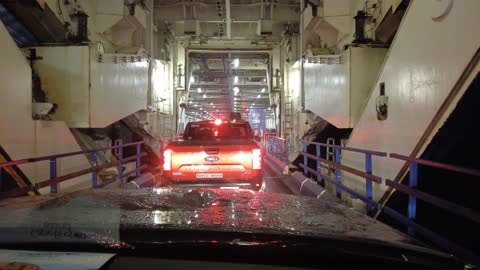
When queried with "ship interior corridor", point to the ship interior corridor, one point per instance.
{"points": [[320, 119]]}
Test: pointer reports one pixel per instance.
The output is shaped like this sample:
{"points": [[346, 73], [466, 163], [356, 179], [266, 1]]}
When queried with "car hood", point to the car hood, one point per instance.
{"points": [[90, 214]]}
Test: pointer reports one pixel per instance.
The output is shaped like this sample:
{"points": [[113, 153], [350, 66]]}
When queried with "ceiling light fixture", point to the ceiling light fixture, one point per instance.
{"points": [[235, 79], [236, 90], [192, 79], [236, 63], [263, 90], [259, 96], [204, 95], [199, 90]]}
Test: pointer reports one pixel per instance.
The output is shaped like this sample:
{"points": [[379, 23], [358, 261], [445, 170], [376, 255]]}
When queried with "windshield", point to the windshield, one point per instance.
{"points": [[221, 131], [354, 120]]}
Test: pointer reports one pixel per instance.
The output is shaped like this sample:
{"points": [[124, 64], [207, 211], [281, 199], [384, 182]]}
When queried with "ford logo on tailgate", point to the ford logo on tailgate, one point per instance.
{"points": [[212, 158]]}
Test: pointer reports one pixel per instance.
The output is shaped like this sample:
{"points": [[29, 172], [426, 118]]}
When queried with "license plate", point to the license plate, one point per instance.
{"points": [[209, 175]]}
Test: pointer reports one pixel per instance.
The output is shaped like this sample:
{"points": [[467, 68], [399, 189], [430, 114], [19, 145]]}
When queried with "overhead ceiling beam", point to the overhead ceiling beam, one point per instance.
{"points": [[240, 73], [228, 19]]}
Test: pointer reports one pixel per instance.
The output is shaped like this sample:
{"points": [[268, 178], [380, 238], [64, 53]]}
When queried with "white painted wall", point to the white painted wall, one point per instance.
{"points": [[92, 93], [338, 92], [326, 89], [103, 15], [65, 78], [117, 90], [424, 62], [22, 137], [162, 87], [335, 24], [365, 64]]}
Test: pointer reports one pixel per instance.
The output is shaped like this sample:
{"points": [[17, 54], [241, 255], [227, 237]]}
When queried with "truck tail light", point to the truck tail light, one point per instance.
{"points": [[256, 159], [167, 160]]}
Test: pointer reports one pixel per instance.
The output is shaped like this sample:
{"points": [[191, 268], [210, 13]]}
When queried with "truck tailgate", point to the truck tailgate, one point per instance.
{"points": [[211, 161]]}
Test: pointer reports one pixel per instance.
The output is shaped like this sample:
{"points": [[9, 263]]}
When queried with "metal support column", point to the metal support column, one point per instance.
{"points": [[369, 186], [412, 200], [93, 158], [305, 158], [120, 164], [319, 164], [338, 173], [138, 161], [53, 174]]}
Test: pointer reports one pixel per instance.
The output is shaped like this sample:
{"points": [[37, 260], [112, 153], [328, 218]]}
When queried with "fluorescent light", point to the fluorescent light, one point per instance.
{"points": [[190, 102], [211, 103], [263, 90], [204, 95], [192, 79], [259, 96], [196, 105], [201, 109], [236, 90], [235, 79], [236, 63]]}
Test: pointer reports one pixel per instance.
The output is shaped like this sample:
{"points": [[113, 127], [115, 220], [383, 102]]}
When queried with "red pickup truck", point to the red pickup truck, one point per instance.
{"points": [[221, 153]]}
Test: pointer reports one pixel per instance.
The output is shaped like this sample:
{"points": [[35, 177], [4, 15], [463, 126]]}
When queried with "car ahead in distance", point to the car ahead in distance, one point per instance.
{"points": [[220, 153]]}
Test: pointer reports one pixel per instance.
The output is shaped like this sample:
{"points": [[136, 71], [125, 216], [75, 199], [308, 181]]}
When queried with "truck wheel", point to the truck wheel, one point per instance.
{"points": [[165, 181], [257, 183]]}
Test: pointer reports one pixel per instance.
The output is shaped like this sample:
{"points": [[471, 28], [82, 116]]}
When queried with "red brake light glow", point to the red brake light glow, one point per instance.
{"points": [[218, 122], [256, 159], [167, 160]]}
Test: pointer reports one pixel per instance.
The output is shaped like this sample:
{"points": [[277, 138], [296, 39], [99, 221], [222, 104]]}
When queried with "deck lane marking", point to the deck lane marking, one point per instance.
{"points": [[320, 194], [301, 187]]}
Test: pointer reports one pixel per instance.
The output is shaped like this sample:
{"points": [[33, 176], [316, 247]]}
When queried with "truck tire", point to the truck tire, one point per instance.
{"points": [[258, 180]]}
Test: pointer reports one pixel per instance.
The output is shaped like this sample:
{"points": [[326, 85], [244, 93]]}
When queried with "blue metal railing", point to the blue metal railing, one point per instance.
{"points": [[410, 189], [414, 194], [339, 167], [276, 148], [54, 179]]}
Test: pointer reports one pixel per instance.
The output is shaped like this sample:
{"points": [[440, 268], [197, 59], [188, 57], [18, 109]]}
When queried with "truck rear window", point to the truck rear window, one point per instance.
{"points": [[224, 131]]}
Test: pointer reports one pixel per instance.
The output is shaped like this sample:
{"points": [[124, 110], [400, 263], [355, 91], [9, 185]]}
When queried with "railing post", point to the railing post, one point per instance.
{"points": [[305, 159], [277, 149], [267, 144], [137, 165], [274, 143], [53, 174], [338, 173], [412, 201], [93, 158], [319, 164], [287, 150], [120, 163], [369, 186]]}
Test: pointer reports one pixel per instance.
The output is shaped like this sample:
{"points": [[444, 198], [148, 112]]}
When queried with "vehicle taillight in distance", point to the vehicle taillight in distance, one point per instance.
{"points": [[256, 159], [167, 160]]}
